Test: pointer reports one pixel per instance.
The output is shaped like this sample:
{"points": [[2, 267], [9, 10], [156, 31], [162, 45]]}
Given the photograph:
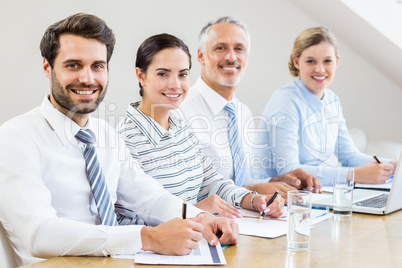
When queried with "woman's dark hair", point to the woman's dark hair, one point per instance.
{"points": [[80, 24], [153, 45]]}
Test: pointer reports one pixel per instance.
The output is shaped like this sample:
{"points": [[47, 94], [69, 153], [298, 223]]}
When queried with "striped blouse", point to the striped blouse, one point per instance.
{"points": [[174, 158]]}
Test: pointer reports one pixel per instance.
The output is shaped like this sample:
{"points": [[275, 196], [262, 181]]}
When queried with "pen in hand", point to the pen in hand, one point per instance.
{"points": [[376, 159], [379, 162], [184, 209], [269, 203]]}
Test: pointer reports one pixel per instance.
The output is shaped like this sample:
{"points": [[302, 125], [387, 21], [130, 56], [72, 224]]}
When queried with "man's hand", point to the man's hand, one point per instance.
{"points": [[175, 237], [300, 179], [215, 204], [219, 228]]}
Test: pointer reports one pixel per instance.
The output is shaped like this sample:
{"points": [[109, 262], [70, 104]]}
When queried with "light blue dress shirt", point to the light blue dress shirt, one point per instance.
{"points": [[301, 131]]}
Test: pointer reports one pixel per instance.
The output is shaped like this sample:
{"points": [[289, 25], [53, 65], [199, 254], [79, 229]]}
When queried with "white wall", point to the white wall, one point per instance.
{"points": [[368, 96]]}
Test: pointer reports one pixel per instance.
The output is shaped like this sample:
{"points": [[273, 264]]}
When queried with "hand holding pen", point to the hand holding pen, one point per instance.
{"points": [[375, 172], [393, 163], [270, 205]]}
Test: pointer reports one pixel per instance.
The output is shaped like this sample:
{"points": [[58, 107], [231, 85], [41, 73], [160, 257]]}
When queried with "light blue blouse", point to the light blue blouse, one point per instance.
{"points": [[301, 131]]}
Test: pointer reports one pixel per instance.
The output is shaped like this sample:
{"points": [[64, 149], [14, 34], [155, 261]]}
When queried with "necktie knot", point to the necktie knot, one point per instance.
{"points": [[85, 136], [230, 108]]}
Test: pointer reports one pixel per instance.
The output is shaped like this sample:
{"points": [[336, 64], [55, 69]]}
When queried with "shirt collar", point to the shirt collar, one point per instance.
{"points": [[215, 101], [63, 126], [312, 100], [150, 128]]}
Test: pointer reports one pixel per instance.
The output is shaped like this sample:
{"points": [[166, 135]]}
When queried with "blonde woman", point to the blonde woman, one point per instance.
{"points": [[304, 119]]}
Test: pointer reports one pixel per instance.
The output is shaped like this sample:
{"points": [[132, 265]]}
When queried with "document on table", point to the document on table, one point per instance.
{"points": [[268, 227], [385, 186], [328, 189], [381, 187], [205, 254], [272, 227]]}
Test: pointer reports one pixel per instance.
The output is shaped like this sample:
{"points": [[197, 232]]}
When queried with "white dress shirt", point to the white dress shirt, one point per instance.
{"points": [[46, 202], [204, 110]]}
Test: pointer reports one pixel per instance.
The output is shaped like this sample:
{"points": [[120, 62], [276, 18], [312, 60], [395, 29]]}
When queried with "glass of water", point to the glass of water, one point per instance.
{"points": [[299, 220], [343, 192]]}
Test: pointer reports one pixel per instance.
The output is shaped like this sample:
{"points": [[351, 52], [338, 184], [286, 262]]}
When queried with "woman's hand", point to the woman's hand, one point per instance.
{"points": [[216, 205], [374, 173]]}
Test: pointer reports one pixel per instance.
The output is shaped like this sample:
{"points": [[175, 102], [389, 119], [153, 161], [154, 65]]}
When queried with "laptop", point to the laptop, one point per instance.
{"points": [[371, 201]]}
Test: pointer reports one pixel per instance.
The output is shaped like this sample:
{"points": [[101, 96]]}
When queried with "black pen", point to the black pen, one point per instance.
{"points": [[376, 159], [269, 203], [184, 209]]}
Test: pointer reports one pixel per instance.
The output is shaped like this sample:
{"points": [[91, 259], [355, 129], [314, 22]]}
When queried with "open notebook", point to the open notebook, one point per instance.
{"points": [[370, 201]]}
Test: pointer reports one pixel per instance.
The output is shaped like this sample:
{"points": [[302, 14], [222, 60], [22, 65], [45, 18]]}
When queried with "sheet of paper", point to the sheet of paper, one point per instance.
{"points": [[272, 227], [268, 227], [203, 255], [328, 189], [386, 186], [317, 197]]}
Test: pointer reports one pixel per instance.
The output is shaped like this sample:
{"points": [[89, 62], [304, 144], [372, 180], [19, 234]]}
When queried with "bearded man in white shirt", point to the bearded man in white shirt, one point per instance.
{"points": [[47, 205], [224, 46]]}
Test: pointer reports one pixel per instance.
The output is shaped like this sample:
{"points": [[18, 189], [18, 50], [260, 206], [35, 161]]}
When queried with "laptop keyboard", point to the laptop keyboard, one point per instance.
{"points": [[375, 202]]}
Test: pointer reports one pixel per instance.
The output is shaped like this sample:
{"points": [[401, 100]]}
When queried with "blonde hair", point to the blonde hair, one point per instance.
{"points": [[307, 38]]}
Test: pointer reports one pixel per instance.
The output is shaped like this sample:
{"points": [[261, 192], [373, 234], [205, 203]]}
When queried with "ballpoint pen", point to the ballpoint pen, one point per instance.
{"points": [[184, 209], [376, 159], [269, 203]]}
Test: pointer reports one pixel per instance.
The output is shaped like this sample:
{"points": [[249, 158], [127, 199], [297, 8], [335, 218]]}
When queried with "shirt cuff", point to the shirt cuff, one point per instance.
{"points": [[193, 211], [124, 240]]}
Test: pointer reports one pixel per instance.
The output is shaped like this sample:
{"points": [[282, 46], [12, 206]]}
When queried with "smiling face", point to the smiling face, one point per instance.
{"points": [[225, 56], [165, 82], [79, 75], [317, 65]]}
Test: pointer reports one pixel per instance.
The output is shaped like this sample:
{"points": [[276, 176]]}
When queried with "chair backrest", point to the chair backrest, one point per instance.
{"points": [[7, 259]]}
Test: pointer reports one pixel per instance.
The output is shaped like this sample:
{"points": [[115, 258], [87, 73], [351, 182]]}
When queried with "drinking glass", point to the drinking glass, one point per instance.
{"points": [[299, 220], [343, 192]]}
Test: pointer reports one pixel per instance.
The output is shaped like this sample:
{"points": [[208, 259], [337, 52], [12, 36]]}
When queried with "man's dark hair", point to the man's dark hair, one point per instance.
{"points": [[84, 25]]}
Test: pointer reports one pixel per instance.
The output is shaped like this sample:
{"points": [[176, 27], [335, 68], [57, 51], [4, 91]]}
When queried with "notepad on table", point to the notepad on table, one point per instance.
{"points": [[272, 227], [205, 254]]}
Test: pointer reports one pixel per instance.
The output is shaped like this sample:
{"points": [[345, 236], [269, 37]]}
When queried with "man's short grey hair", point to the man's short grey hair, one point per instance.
{"points": [[227, 19]]}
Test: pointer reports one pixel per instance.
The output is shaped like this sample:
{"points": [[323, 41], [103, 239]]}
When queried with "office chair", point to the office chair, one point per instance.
{"points": [[6, 252]]}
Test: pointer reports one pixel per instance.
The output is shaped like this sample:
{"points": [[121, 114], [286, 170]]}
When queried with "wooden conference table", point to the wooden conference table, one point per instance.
{"points": [[362, 241]]}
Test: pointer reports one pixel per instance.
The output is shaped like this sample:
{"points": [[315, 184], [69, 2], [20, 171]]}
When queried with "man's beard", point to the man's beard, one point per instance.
{"points": [[60, 95], [214, 75]]}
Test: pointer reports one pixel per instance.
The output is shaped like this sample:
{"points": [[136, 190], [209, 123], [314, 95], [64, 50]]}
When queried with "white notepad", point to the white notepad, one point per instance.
{"points": [[272, 227], [205, 254]]}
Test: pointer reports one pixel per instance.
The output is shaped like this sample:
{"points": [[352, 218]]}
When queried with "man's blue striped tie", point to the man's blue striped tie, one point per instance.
{"points": [[97, 179], [236, 148]]}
